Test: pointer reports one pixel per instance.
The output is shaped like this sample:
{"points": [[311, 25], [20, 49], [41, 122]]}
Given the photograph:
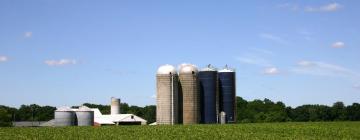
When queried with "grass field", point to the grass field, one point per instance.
{"points": [[306, 130]]}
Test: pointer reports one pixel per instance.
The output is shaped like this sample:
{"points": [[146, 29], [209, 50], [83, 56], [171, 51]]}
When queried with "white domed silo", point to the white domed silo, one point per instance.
{"points": [[190, 94], [115, 106], [64, 116], [166, 95], [85, 116]]}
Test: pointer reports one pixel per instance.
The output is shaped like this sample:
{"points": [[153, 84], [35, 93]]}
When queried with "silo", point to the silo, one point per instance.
{"points": [[227, 89], [115, 105], [64, 116], [222, 117], [190, 94], [85, 116], [208, 94], [167, 95]]}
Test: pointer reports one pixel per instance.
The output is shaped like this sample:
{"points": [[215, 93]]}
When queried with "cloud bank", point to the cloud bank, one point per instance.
{"points": [[324, 8], [338, 44], [3, 58], [271, 71], [323, 69], [61, 62]]}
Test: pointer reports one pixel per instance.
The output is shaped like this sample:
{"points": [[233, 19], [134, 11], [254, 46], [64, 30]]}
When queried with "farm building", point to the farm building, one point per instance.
{"points": [[84, 116], [115, 119]]}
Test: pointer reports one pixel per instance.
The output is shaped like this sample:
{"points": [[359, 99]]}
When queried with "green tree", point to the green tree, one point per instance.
{"points": [[5, 118], [338, 111]]}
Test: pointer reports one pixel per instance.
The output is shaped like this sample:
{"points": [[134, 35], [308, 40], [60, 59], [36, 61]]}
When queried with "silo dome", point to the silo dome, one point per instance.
{"points": [[166, 69], [188, 68], [209, 68], [227, 69]]}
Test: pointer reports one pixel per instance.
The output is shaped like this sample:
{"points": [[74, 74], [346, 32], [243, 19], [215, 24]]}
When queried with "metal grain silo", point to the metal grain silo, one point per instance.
{"points": [[85, 116], [64, 116], [115, 106], [227, 93], [167, 95], [190, 94], [208, 94]]}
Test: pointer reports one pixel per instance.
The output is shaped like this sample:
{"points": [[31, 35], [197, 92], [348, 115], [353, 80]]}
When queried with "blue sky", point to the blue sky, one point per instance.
{"points": [[69, 52]]}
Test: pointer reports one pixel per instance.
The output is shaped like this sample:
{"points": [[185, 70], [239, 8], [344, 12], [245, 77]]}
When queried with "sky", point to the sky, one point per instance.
{"points": [[66, 52]]}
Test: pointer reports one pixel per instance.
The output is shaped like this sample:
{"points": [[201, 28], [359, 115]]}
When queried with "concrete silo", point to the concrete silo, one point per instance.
{"points": [[85, 116], [115, 106], [190, 94], [167, 95], [64, 116], [227, 87], [208, 94]]}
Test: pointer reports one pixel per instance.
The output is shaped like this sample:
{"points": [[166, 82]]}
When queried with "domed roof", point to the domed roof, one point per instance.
{"points": [[63, 108], [166, 69], [227, 69], [187, 68], [84, 108], [209, 68]]}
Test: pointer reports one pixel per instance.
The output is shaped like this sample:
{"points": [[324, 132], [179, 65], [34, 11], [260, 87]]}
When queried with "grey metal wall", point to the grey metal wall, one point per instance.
{"points": [[65, 118], [208, 96], [85, 118], [228, 95], [166, 103], [190, 98]]}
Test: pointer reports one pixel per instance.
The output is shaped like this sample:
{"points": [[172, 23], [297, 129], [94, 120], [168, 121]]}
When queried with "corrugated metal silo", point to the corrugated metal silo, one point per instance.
{"points": [[208, 94], [115, 105], [64, 116], [85, 116], [167, 95], [190, 94], [227, 89]]}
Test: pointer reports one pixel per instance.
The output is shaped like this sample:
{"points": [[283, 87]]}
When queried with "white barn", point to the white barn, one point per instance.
{"points": [[116, 119]]}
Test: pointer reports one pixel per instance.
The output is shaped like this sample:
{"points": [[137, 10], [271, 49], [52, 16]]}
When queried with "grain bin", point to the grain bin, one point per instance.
{"points": [[190, 94], [222, 117], [167, 95], [227, 93], [208, 94], [115, 106], [64, 116], [85, 116]]}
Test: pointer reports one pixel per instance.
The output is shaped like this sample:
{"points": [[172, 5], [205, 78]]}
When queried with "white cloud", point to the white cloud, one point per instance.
{"points": [[273, 38], [271, 71], [323, 69], [325, 8], [28, 34], [153, 96], [338, 44], [3, 58], [61, 62]]}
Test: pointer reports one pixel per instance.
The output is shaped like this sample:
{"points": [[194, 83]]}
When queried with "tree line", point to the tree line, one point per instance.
{"points": [[247, 112], [269, 111]]}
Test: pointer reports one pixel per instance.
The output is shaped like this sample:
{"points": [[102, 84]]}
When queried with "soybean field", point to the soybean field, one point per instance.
{"points": [[291, 130]]}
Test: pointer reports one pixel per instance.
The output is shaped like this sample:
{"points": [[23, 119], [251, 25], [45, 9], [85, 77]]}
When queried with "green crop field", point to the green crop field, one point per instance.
{"points": [[306, 130]]}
